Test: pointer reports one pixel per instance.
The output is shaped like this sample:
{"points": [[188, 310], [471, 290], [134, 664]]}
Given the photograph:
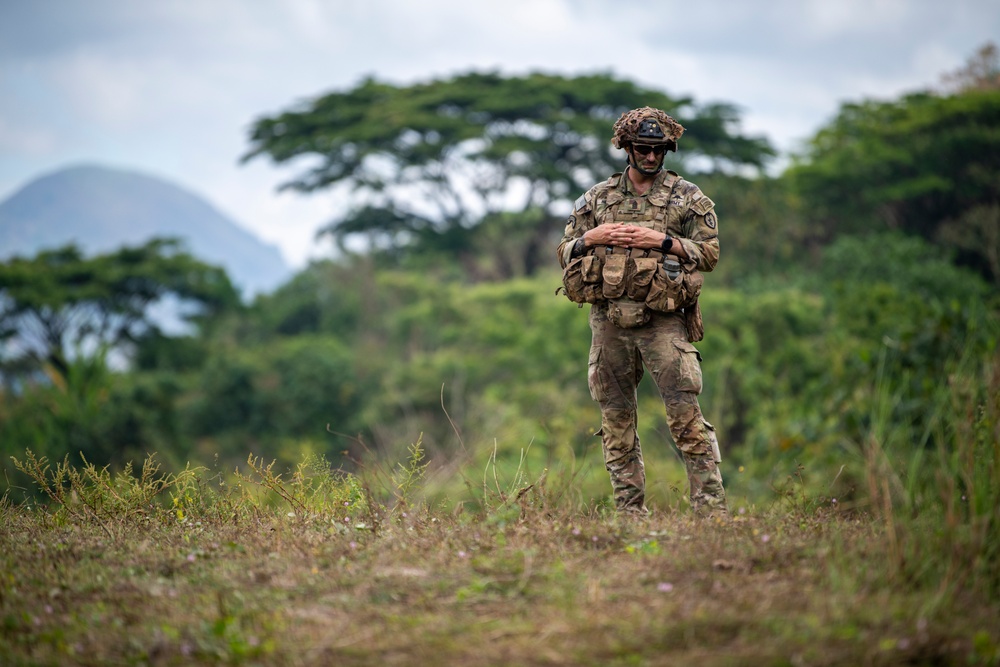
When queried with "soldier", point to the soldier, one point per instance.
{"points": [[634, 248]]}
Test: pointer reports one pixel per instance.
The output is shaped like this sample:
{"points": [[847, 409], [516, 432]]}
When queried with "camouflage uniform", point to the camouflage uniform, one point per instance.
{"points": [[617, 355]]}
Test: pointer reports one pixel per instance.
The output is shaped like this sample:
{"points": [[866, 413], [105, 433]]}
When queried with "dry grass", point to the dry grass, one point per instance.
{"points": [[362, 583]]}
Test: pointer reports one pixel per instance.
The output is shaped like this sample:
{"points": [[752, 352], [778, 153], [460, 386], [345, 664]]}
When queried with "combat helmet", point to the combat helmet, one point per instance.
{"points": [[646, 126]]}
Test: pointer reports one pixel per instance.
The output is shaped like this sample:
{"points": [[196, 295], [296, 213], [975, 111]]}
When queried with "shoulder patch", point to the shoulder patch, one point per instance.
{"points": [[702, 205], [580, 203]]}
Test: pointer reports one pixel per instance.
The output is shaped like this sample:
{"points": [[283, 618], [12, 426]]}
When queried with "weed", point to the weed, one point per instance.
{"points": [[410, 476], [112, 501], [313, 489]]}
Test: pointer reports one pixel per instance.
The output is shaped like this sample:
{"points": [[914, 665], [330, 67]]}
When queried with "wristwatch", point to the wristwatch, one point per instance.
{"points": [[667, 244]]}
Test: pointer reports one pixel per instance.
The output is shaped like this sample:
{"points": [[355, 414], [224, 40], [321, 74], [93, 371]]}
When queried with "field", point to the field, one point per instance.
{"points": [[142, 568]]}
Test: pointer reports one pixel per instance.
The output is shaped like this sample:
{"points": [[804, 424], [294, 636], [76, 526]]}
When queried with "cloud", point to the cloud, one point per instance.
{"points": [[25, 140], [105, 90], [834, 20]]}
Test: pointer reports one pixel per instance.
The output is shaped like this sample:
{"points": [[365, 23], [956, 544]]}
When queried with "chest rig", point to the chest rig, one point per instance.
{"points": [[651, 210], [627, 273], [630, 284], [634, 282]]}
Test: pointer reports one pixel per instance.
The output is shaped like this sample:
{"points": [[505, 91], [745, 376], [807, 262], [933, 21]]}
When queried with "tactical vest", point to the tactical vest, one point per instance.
{"points": [[633, 281], [650, 210]]}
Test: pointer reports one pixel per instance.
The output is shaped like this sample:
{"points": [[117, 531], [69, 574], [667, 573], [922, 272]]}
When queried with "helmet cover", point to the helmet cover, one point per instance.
{"points": [[646, 126]]}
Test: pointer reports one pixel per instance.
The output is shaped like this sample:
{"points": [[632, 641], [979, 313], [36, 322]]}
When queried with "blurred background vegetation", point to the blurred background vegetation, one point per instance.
{"points": [[856, 303]]}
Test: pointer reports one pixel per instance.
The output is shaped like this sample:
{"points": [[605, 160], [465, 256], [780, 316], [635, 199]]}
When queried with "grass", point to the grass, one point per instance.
{"points": [[325, 568]]}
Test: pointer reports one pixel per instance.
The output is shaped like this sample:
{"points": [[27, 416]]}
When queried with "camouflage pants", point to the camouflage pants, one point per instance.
{"points": [[615, 368]]}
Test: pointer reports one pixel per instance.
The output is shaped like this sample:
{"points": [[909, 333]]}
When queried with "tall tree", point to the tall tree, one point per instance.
{"points": [[60, 301], [432, 159], [924, 164]]}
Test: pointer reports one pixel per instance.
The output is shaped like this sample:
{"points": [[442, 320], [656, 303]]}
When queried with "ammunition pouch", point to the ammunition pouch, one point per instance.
{"points": [[634, 282], [642, 277], [582, 279], [616, 272], [672, 287], [628, 276]]}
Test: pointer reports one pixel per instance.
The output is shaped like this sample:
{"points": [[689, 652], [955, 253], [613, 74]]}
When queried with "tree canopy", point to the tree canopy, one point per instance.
{"points": [[427, 159], [924, 164], [60, 301]]}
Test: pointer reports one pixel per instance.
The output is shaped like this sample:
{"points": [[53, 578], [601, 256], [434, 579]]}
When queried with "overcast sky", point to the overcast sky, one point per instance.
{"points": [[170, 87]]}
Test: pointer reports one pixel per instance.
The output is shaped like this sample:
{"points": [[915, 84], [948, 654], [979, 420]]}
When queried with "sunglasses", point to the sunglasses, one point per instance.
{"points": [[644, 149]]}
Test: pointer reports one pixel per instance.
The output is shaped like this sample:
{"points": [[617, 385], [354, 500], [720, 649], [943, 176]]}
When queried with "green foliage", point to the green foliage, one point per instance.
{"points": [[941, 507], [158, 351], [501, 246], [60, 302], [790, 370], [919, 164], [477, 351], [293, 386], [103, 416], [762, 234], [66, 416], [326, 296], [788, 367]]}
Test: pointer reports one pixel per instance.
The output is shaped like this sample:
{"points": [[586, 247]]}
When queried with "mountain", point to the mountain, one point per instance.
{"points": [[101, 209]]}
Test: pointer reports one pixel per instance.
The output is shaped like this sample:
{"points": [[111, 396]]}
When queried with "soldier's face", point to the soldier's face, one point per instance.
{"points": [[647, 157]]}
